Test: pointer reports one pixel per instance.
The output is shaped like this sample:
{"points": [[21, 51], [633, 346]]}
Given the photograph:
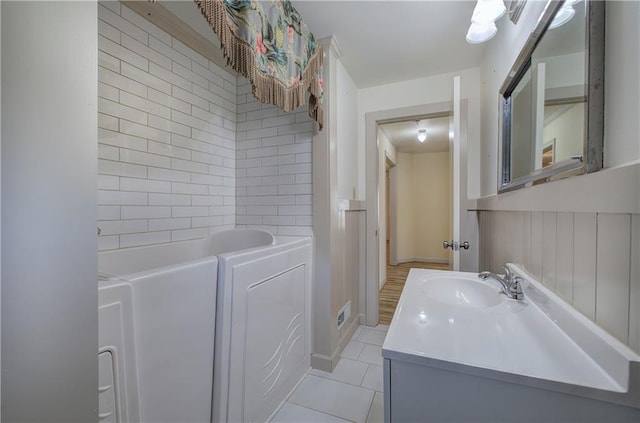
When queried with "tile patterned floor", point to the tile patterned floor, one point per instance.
{"points": [[351, 393]]}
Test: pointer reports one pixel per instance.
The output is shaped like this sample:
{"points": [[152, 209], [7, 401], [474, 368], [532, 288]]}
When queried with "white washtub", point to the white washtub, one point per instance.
{"points": [[157, 308], [128, 261], [458, 349], [263, 328]]}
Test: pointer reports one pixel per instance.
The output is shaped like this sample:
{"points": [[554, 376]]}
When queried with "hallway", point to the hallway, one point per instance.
{"points": [[391, 290]]}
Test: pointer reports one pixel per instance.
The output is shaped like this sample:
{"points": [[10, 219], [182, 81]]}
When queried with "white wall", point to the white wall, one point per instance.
{"points": [[621, 69], [428, 90], [424, 206], [385, 150], [347, 127], [49, 150], [622, 86], [273, 168], [568, 131], [0, 210], [432, 174], [578, 235], [166, 133], [328, 226], [499, 55], [564, 71], [403, 196]]}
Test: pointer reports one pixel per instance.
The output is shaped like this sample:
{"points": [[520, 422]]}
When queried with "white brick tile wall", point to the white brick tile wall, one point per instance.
{"points": [[110, 75], [184, 234], [169, 224], [273, 166], [167, 124], [185, 149], [108, 182], [108, 122], [116, 50], [108, 167], [147, 238], [145, 78], [108, 212]]}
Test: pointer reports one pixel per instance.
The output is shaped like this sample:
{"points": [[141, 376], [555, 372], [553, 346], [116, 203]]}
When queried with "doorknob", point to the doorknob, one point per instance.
{"points": [[455, 246]]}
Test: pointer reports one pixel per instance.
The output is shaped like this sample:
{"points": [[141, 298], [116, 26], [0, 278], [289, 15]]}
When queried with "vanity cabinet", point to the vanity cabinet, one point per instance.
{"points": [[458, 350], [434, 394]]}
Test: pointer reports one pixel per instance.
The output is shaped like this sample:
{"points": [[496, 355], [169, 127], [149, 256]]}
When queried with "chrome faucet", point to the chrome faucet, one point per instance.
{"points": [[511, 284]]}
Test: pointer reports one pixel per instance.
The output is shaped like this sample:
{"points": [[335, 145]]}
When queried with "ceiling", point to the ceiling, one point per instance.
{"points": [[394, 40], [381, 41], [565, 39], [404, 135]]}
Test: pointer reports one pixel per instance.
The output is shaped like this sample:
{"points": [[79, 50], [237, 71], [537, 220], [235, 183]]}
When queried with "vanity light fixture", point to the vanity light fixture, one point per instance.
{"points": [[488, 11], [483, 20], [564, 15], [479, 33]]}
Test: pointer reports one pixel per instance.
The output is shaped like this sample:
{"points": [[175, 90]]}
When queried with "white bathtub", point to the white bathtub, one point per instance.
{"points": [[263, 328], [158, 325]]}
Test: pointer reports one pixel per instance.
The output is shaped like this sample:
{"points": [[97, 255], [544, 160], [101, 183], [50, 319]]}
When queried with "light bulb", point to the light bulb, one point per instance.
{"points": [[480, 33], [422, 135], [488, 11], [563, 16]]}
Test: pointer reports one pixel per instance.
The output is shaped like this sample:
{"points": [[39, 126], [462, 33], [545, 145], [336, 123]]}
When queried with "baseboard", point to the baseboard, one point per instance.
{"points": [[328, 363], [321, 362], [424, 260], [348, 333]]}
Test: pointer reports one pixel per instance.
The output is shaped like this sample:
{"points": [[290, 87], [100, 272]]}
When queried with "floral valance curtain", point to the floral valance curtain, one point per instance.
{"points": [[267, 42]]}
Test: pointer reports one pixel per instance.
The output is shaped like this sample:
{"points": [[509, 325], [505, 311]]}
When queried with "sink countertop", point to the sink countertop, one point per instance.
{"points": [[517, 341]]}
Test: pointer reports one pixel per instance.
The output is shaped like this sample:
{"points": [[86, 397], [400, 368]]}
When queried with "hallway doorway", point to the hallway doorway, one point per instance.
{"points": [[416, 190]]}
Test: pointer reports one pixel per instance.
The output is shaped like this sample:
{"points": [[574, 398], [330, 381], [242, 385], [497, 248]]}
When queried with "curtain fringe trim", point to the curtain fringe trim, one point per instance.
{"points": [[266, 88]]}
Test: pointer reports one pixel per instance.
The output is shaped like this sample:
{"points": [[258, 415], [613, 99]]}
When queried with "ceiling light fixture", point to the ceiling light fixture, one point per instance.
{"points": [[422, 135], [422, 132]]}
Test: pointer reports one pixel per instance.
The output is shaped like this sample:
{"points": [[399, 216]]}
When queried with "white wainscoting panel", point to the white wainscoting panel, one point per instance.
{"points": [[584, 259], [612, 280], [634, 292], [536, 245], [591, 260], [564, 256], [549, 240]]}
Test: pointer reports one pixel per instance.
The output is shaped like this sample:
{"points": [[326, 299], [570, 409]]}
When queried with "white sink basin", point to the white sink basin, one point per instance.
{"points": [[462, 291], [454, 321]]}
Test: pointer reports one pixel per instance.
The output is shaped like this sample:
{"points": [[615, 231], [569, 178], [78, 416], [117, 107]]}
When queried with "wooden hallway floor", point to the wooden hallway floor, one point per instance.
{"points": [[391, 290]]}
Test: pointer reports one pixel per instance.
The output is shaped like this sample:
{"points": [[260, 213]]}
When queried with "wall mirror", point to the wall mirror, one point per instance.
{"points": [[553, 98]]}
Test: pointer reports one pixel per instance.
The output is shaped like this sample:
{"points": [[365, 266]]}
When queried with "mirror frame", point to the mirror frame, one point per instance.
{"points": [[593, 150]]}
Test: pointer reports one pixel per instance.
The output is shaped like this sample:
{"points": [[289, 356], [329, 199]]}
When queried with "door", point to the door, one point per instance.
{"points": [[455, 146]]}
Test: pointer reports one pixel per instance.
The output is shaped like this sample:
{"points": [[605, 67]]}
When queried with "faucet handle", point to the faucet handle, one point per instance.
{"points": [[515, 289], [507, 273]]}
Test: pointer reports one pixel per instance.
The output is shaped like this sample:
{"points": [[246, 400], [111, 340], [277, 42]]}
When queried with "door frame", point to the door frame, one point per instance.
{"points": [[390, 257], [372, 120]]}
